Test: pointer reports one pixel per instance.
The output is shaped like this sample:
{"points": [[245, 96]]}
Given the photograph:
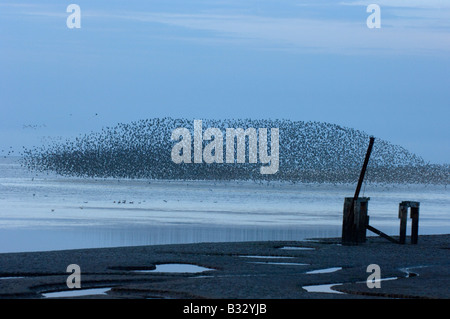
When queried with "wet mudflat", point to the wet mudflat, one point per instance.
{"points": [[257, 270]]}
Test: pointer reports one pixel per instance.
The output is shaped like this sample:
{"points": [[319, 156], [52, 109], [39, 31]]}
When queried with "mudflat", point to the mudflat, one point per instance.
{"points": [[311, 269]]}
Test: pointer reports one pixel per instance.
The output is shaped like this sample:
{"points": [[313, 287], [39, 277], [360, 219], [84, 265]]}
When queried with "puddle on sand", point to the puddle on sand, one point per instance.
{"points": [[323, 288], [265, 257], [76, 292], [323, 271], [410, 273], [327, 287], [278, 263], [297, 248], [175, 268]]}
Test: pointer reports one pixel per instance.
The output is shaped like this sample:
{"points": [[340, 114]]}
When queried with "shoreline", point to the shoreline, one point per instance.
{"points": [[237, 270]]}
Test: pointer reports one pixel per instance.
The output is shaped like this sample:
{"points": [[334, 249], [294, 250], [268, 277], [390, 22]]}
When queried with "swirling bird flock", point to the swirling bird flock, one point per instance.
{"points": [[309, 152]]}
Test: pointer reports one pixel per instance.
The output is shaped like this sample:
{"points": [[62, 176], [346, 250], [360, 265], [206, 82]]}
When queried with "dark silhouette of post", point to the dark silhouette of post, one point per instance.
{"points": [[364, 168], [415, 224], [381, 234], [355, 232], [403, 216], [355, 219]]}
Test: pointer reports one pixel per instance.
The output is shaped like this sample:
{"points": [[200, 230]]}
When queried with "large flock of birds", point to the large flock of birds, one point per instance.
{"points": [[309, 152]]}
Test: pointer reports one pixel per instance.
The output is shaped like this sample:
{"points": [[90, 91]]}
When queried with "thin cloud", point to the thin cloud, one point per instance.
{"points": [[298, 33], [424, 4], [397, 36]]}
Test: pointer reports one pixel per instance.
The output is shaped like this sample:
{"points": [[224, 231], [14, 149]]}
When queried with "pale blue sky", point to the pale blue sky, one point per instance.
{"points": [[300, 60]]}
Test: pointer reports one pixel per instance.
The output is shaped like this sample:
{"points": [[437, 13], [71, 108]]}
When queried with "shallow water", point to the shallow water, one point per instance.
{"points": [[266, 257], [324, 271], [76, 293], [175, 268], [278, 263], [326, 288], [48, 212], [296, 248]]}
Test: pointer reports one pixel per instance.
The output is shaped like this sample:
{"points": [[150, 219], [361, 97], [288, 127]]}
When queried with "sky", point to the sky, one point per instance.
{"points": [[310, 60]]}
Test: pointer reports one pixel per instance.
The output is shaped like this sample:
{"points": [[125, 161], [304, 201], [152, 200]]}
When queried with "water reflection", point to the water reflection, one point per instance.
{"points": [[31, 239], [49, 212]]}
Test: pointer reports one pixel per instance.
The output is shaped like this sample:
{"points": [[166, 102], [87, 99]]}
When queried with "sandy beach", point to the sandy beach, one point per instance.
{"points": [[310, 269]]}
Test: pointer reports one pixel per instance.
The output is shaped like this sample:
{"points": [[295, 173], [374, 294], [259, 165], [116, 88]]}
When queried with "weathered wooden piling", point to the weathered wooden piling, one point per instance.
{"points": [[403, 216], [354, 229], [355, 219], [381, 234]]}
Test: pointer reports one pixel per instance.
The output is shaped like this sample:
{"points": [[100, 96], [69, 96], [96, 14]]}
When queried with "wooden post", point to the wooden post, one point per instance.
{"points": [[380, 233], [347, 223], [403, 215], [364, 168], [414, 223], [361, 219], [414, 214], [354, 229]]}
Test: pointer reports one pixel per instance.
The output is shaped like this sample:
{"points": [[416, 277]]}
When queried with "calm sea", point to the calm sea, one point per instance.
{"points": [[47, 212]]}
